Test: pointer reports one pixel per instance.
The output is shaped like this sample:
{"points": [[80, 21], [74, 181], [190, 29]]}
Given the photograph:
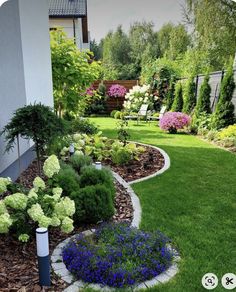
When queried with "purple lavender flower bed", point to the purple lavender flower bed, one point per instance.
{"points": [[117, 255]]}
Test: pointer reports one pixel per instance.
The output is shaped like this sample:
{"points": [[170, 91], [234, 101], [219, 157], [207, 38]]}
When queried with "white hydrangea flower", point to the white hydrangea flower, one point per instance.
{"points": [[55, 221], [38, 183], [79, 152], [51, 166], [32, 194], [66, 207], [5, 223], [57, 193], [3, 208], [44, 221], [4, 182], [67, 225], [16, 201], [35, 212]]}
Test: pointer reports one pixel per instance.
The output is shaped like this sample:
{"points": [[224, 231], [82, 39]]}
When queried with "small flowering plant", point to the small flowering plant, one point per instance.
{"points": [[117, 90], [118, 256], [137, 96], [173, 121], [41, 206]]}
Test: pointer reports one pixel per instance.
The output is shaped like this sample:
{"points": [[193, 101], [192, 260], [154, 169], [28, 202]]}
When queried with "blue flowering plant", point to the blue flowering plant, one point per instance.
{"points": [[118, 255]]}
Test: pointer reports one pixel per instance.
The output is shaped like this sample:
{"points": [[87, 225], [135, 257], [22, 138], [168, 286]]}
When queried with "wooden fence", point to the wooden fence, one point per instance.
{"points": [[115, 103]]}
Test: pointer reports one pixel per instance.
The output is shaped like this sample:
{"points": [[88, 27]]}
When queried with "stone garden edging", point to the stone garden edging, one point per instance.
{"points": [[60, 269]]}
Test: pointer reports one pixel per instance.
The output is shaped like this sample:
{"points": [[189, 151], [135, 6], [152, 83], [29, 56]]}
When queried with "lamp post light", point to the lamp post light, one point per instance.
{"points": [[98, 165], [72, 149], [43, 256]]}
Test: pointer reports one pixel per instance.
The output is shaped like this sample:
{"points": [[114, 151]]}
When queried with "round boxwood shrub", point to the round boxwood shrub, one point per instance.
{"points": [[118, 256], [79, 161], [112, 114], [117, 115], [93, 203], [91, 176]]}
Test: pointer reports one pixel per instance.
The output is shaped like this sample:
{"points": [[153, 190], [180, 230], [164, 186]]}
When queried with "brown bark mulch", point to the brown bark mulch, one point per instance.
{"points": [[18, 262]]}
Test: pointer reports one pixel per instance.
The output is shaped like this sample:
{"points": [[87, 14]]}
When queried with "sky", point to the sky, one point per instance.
{"points": [[105, 15]]}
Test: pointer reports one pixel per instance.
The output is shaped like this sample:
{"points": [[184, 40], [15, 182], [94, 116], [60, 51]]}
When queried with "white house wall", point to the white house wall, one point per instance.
{"points": [[68, 28], [25, 64]]}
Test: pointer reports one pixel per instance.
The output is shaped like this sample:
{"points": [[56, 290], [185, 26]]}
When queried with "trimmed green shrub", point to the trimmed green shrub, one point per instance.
{"points": [[203, 102], [178, 101], [117, 115], [79, 161], [91, 176], [93, 203], [112, 114], [189, 96], [121, 157], [67, 179], [83, 126], [224, 114]]}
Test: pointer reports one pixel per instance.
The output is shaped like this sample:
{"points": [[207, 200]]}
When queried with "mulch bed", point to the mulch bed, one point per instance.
{"points": [[18, 262]]}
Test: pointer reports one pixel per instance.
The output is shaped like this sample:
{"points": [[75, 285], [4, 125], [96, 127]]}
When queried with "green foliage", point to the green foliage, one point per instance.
{"points": [[112, 114], [201, 123], [36, 122], [91, 176], [229, 132], [189, 96], [72, 72], [93, 203], [82, 125], [224, 114], [67, 179], [203, 102], [177, 105], [96, 49], [79, 161], [117, 115], [122, 132], [170, 96], [215, 26], [121, 156]]}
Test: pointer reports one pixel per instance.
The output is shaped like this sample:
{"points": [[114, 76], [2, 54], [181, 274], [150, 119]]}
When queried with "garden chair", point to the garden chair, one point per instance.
{"points": [[141, 113], [162, 111]]}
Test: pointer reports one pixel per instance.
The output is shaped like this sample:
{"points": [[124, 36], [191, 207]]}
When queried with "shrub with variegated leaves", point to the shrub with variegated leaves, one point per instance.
{"points": [[40, 206]]}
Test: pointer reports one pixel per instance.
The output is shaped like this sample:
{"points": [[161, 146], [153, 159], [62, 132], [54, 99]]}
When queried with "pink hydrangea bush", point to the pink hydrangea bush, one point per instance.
{"points": [[117, 90], [173, 121]]}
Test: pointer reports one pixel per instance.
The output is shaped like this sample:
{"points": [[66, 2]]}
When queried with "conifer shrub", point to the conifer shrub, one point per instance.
{"points": [[189, 96], [177, 105], [79, 161], [224, 114], [203, 102], [93, 203], [170, 94]]}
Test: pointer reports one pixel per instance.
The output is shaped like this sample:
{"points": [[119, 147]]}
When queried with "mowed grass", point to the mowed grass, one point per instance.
{"points": [[193, 203]]}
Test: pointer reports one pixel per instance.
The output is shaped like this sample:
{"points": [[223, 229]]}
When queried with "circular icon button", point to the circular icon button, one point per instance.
{"points": [[209, 281], [228, 281]]}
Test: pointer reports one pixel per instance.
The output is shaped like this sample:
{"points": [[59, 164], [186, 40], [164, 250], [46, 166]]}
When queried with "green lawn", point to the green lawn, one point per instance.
{"points": [[193, 203]]}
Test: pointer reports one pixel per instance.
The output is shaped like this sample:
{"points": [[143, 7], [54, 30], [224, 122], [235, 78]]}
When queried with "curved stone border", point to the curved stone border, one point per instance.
{"points": [[61, 270], [164, 168]]}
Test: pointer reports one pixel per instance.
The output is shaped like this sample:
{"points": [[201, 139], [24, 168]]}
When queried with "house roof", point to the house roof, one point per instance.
{"points": [[67, 8]]}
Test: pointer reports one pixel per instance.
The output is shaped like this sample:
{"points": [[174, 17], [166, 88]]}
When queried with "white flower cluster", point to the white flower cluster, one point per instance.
{"points": [[4, 182], [51, 166], [44, 209], [137, 96]]}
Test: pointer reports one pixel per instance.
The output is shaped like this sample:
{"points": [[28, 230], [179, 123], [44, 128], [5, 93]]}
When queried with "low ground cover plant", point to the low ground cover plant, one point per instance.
{"points": [[118, 256], [174, 121]]}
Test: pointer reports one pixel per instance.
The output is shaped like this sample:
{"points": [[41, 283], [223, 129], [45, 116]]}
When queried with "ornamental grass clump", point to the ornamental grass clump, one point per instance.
{"points": [[41, 206], [174, 121], [118, 256]]}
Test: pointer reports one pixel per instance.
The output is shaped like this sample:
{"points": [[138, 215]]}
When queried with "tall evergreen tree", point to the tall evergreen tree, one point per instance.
{"points": [[177, 105], [204, 100], [224, 114], [170, 94], [189, 96]]}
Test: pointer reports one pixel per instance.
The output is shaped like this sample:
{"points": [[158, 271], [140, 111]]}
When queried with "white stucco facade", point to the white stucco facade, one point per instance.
{"points": [[72, 28], [25, 63]]}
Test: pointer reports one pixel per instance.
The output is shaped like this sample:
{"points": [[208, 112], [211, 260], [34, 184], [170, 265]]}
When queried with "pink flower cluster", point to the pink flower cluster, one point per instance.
{"points": [[117, 90], [172, 121]]}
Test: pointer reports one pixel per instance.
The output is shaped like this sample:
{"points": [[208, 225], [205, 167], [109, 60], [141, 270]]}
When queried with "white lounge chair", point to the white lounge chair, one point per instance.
{"points": [[141, 113], [161, 114]]}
